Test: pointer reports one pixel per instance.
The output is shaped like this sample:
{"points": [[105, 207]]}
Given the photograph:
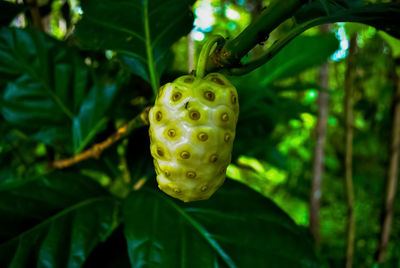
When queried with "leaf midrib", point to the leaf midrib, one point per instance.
{"points": [[61, 214], [46, 87], [206, 235]]}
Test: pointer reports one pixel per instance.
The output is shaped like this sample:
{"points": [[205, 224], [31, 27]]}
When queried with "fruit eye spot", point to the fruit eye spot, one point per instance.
{"points": [[233, 99], [158, 116], [172, 133], [177, 190], [218, 81], [188, 80], [202, 136], [194, 115], [224, 117], [160, 152], [185, 155], [213, 158], [167, 173], [227, 137], [191, 174], [176, 96], [208, 95], [204, 188]]}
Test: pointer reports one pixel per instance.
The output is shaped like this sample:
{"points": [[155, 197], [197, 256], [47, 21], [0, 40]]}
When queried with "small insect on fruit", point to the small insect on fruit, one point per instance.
{"points": [[192, 128]]}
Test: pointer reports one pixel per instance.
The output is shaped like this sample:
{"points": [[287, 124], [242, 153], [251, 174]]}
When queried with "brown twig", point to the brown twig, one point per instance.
{"points": [[96, 150], [139, 184], [348, 107]]}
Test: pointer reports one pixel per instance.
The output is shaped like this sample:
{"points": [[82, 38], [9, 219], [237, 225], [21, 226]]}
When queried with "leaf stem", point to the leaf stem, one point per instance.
{"points": [[229, 56], [276, 47], [256, 33], [205, 54]]}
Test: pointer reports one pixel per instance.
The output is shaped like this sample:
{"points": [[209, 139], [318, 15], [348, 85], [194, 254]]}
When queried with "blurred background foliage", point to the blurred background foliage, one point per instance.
{"points": [[278, 160], [273, 151]]}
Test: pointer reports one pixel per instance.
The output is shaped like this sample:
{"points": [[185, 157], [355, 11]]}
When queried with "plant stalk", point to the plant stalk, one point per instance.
{"points": [[256, 33]]}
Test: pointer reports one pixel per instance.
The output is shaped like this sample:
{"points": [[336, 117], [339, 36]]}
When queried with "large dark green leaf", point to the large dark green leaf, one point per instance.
{"points": [[237, 227], [381, 16], [8, 11], [140, 31], [54, 220], [45, 84], [47, 90], [45, 81], [25, 203]]}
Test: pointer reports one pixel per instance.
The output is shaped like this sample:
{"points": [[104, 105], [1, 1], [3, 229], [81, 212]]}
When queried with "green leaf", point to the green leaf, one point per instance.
{"points": [[237, 227], [46, 81], [142, 33], [90, 119], [46, 90], [24, 203], [302, 53], [63, 240], [54, 220], [8, 11]]}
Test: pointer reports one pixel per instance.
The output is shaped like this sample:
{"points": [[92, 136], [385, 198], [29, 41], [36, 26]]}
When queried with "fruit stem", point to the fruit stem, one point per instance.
{"points": [[205, 54]]}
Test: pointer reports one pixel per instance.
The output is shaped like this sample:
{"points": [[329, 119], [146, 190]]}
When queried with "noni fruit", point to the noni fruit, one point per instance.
{"points": [[192, 128]]}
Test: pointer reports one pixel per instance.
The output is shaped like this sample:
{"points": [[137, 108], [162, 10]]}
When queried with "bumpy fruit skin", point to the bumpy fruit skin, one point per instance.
{"points": [[192, 128]]}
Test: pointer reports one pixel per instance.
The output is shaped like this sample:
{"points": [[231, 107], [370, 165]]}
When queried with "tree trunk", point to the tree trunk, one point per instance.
{"points": [[316, 188], [392, 175], [348, 107]]}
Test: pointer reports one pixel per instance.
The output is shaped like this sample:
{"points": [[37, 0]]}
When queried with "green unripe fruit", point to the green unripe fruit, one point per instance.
{"points": [[192, 128]]}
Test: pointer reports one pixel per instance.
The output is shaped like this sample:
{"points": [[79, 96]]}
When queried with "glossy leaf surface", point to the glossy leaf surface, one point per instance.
{"points": [[236, 227], [54, 220], [48, 90]]}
